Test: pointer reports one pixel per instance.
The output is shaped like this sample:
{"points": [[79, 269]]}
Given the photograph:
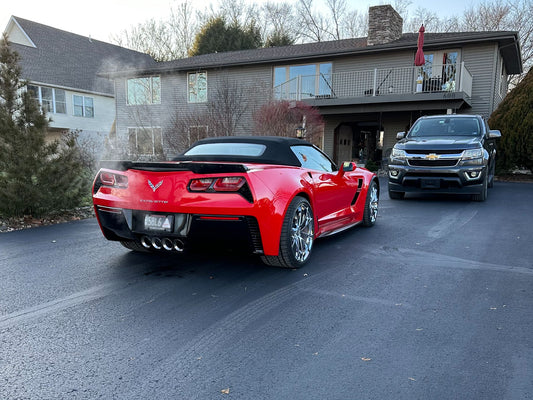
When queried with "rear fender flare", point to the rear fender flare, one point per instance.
{"points": [[271, 227]]}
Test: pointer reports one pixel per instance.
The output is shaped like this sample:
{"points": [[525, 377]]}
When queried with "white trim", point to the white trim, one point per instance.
{"points": [[151, 102], [83, 106], [12, 19], [196, 83], [54, 101], [71, 89]]}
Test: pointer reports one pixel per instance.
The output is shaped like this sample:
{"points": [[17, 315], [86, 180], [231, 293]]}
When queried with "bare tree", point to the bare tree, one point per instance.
{"points": [[505, 15], [234, 12], [223, 115], [424, 16], [185, 129], [164, 40], [278, 19], [227, 106], [337, 9], [337, 22], [488, 16], [355, 24], [285, 118], [313, 24]]}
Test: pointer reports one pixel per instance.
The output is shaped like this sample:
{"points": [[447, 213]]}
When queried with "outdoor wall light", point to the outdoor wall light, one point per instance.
{"points": [[300, 132]]}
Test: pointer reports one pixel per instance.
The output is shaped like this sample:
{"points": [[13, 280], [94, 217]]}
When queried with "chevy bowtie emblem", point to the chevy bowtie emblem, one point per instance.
{"points": [[432, 156], [156, 186]]}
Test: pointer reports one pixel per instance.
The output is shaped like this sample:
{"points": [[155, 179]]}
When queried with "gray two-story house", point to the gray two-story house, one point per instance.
{"points": [[367, 89], [62, 68]]}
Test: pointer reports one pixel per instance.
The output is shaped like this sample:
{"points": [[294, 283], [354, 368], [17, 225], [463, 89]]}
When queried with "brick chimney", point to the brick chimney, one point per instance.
{"points": [[384, 25]]}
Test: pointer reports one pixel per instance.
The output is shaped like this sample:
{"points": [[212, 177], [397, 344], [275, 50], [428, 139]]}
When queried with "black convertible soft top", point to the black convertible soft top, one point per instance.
{"points": [[278, 150]]}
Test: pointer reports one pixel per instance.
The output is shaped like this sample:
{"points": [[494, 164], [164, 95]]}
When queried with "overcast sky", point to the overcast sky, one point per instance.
{"points": [[101, 18]]}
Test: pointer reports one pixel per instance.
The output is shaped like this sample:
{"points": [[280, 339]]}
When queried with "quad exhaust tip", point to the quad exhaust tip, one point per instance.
{"points": [[163, 243]]}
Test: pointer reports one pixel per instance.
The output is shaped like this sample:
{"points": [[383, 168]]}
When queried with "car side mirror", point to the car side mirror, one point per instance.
{"points": [[494, 134], [347, 166], [400, 135]]}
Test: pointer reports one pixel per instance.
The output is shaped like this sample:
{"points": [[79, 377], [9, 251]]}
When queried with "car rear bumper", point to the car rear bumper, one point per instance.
{"points": [[183, 231]]}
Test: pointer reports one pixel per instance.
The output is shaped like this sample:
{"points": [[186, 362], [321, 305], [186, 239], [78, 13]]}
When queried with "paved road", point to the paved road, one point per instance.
{"points": [[434, 302]]}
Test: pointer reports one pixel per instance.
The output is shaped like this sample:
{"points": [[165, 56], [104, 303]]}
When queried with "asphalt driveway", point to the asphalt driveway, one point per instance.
{"points": [[434, 302]]}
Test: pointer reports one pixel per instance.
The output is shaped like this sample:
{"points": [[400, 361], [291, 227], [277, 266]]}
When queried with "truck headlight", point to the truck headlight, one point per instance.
{"points": [[398, 154], [471, 154]]}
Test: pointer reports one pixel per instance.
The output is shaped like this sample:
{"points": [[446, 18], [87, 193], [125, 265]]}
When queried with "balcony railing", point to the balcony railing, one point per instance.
{"points": [[378, 82]]}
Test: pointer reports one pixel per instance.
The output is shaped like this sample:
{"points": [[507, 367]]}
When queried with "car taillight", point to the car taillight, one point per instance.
{"points": [[114, 180], [230, 184], [226, 184], [200, 185]]}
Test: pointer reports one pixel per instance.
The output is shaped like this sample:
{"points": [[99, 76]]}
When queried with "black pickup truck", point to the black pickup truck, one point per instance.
{"points": [[444, 154]]}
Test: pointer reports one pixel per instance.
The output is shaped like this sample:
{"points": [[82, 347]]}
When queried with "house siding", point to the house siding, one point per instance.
{"points": [[175, 112], [104, 114], [480, 60]]}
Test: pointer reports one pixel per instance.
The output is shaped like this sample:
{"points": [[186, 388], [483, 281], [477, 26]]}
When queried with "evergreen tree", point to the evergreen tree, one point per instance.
{"points": [[36, 177], [216, 37], [279, 39], [514, 118]]}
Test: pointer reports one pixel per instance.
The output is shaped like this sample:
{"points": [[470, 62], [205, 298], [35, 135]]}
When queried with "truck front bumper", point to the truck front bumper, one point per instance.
{"points": [[466, 180]]}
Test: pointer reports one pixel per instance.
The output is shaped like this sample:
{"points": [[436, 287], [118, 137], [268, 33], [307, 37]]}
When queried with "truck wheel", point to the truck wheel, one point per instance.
{"points": [[491, 175], [482, 196]]}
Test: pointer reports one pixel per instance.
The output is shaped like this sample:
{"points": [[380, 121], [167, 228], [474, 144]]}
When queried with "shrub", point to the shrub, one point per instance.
{"points": [[514, 118]]}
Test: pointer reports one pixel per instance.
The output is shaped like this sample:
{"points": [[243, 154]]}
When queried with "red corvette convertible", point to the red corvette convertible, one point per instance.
{"points": [[277, 194]]}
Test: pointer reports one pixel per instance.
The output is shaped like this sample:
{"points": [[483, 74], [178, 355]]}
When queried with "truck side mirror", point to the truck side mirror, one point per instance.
{"points": [[494, 134], [400, 135]]}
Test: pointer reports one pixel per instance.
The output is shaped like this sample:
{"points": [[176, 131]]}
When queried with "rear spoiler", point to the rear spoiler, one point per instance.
{"points": [[197, 168]]}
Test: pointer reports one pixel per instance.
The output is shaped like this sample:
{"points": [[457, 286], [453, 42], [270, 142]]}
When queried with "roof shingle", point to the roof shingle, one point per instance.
{"points": [[66, 59]]}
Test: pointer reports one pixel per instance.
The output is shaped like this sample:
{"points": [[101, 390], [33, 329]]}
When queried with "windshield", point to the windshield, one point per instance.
{"points": [[227, 149], [446, 126]]}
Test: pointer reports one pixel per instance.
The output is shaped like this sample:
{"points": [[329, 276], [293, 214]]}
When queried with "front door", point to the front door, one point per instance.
{"points": [[344, 144]]}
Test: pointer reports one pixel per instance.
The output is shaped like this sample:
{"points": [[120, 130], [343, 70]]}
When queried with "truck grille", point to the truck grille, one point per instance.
{"points": [[429, 158], [432, 163]]}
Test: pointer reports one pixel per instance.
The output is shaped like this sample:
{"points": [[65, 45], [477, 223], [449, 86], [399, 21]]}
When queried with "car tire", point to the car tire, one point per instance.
{"points": [[297, 236], [134, 246], [396, 195], [370, 213], [482, 196]]}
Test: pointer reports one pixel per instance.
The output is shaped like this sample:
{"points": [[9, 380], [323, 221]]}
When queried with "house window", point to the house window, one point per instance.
{"points": [[145, 141], [83, 106], [440, 70], [144, 90], [196, 133], [197, 87], [52, 100], [303, 81]]}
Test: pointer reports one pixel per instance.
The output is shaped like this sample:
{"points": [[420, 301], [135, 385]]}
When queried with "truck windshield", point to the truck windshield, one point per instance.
{"points": [[446, 126]]}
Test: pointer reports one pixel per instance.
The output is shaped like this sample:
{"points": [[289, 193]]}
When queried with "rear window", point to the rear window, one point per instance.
{"points": [[446, 126], [227, 149]]}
